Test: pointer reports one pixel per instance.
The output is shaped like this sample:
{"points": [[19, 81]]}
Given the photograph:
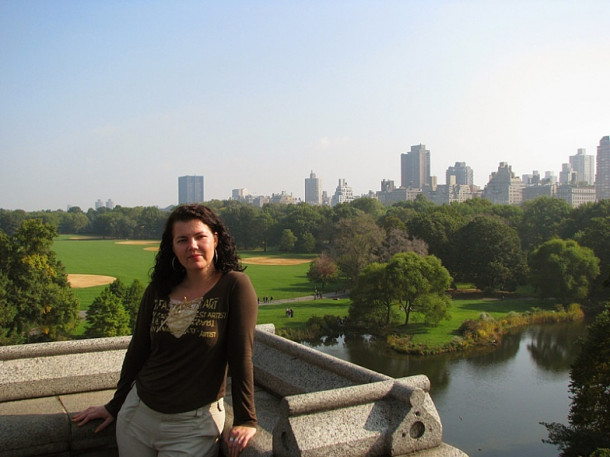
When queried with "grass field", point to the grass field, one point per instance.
{"points": [[104, 257], [465, 309], [134, 261], [276, 313]]}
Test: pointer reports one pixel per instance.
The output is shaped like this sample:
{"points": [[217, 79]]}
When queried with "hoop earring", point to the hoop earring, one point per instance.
{"points": [[215, 256], [178, 270]]}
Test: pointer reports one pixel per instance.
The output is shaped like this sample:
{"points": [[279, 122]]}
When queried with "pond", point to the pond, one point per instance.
{"points": [[491, 403]]}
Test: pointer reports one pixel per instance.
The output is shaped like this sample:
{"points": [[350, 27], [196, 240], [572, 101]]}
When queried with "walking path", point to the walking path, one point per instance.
{"points": [[331, 295], [328, 295]]}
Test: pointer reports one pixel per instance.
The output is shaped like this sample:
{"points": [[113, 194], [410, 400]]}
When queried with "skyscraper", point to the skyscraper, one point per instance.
{"points": [[190, 189], [504, 188], [584, 166], [602, 177], [343, 193], [567, 175], [415, 167], [463, 174], [313, 190]]}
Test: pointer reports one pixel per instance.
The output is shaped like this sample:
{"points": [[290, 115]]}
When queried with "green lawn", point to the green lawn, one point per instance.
{"points": [[422, 334], [128, 262], [465, 309], [276, 313], [103, 257]]}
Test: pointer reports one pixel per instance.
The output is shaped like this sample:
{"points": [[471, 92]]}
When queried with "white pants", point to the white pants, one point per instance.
{"points": [[143, 432]]}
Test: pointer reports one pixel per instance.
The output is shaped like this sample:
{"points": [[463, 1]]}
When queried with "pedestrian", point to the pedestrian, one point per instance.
{"points": [[196, 318]]}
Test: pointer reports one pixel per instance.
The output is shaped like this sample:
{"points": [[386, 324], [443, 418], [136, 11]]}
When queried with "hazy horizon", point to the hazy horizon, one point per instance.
{"points": [[116, 100]]}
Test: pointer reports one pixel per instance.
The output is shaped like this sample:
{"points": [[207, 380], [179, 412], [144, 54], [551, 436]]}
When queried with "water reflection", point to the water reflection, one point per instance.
{"points": [[555, 350], [490, 401]]}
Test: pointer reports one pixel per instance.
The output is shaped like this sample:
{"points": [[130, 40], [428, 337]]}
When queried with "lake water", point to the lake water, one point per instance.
{"points": [[490, 403]]}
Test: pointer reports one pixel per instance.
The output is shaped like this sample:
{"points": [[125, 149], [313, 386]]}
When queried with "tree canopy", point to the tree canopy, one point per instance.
{"points": [[323, 271], [36, 299], [419, 284], [589, 417], [487, 252], [563, 269], [354, 243], [372, 297]]}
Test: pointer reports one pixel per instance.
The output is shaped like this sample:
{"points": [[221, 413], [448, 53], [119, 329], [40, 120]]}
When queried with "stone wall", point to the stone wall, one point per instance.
{"points": [[308, 403]]}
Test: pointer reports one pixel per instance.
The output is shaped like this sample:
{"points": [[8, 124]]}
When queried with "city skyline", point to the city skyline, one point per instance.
{"points": [[458, 174], [182, 181], [117, 100]]}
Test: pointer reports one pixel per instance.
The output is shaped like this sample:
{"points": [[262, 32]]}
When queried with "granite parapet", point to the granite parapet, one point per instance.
{"points": [[309, 404]]}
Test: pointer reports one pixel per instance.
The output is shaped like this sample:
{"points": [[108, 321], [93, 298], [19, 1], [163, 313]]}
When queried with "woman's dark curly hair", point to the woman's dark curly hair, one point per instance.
{"points": [[167, 272]]}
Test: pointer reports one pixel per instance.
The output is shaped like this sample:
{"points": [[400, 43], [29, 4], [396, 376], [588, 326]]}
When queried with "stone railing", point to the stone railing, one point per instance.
{"points": [[308, 403]]}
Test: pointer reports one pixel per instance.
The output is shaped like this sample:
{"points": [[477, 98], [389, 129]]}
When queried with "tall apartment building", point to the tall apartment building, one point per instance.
{"points": [[576, 195], [100, 204], [415, 167], [461, 173], [190, 189], [343, 193], [313, 190], [567, 175], [550, 177], [448, 193], [602, 177], [504, 187], [584, 167], [239, 194]]}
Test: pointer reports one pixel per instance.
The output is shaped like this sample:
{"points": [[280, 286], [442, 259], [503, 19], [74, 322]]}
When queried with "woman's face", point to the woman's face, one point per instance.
{"points": [[193, 243]]}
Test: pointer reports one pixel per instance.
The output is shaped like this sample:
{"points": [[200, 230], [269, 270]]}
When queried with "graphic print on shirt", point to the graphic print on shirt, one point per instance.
{"points": [[196, 317]]}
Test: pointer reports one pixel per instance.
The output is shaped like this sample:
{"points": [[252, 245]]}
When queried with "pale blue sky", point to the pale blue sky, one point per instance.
{"points": [[116, 99]]}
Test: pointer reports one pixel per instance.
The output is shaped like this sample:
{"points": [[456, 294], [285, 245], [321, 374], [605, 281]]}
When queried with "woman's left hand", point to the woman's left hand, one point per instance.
{"points": [[238, 438]]}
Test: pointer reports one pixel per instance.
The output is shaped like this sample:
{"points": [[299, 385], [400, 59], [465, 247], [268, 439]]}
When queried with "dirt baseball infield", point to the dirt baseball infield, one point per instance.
{"points": [[273, 261], [81, 281]]}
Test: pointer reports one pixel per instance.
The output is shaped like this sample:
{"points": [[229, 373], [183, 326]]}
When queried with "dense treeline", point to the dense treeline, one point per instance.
{"points": [[495, 247]]}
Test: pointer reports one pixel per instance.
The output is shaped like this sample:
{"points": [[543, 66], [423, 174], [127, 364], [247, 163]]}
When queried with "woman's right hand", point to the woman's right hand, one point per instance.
{"points": [[91, 413]]}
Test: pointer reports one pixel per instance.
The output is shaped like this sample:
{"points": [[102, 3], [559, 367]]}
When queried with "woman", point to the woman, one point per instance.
{"points": [[196, 317]]}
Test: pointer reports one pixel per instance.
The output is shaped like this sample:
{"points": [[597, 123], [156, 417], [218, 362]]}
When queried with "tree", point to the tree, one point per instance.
{"points": [[10, 221], [397, 241], [354, 243], [370, 206], [419, 284], [239, 218], [563, 269], [129, 297], [263, 222], [436, 229], [542, 220], [287, 240], [323, 271], [487, 252], [39, 305], [589, 416], [372, 297], [150, 223], [306, 243], [596, 236], [107, 316], [73, 221]]}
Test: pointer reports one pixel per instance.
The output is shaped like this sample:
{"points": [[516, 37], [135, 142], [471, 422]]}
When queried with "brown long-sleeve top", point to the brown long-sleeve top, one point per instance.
{"points": [[179, 352]]}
